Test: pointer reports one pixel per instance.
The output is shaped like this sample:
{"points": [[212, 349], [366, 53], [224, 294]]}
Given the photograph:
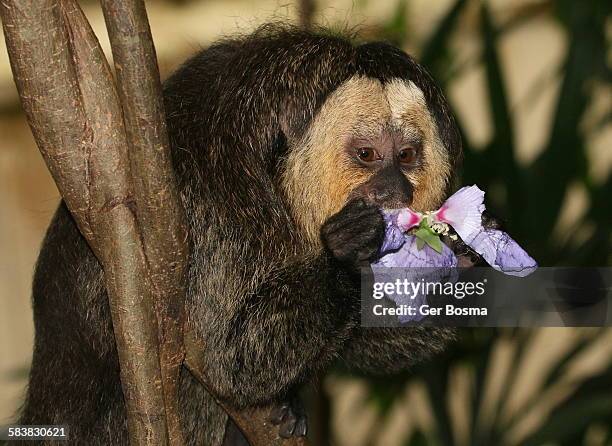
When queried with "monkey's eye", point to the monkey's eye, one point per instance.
{"points": [[406, 156], [367, 154]]}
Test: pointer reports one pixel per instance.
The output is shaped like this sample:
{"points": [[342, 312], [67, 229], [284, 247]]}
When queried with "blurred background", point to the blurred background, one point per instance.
{"points": [[530, 84]]}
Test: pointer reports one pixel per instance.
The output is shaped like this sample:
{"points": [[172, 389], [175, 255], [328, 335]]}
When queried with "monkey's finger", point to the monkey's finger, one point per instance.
{"points": [[301, 427], [354, 224], [288, 425], [279, 413], [353, 213]]}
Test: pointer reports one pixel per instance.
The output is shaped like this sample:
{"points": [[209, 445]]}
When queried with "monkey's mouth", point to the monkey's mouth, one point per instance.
{"points": [[393, 203], [384, 200]]}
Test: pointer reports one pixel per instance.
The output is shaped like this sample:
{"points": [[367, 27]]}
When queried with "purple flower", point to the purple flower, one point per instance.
{"points": [[394, 236], [418, 264], [503, 253], [409, 256], [421, 250], [463, 211]]}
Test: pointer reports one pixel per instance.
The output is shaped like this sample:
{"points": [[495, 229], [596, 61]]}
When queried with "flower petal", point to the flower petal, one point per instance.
{"points": [[408, 219], [409, 256], [463, 211], [503, 253], [394, 236], [414, 265]]}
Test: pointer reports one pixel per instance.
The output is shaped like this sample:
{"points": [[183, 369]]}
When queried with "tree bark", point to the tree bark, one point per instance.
{"points": [[155, 189], [75, 114], [108, 152]]}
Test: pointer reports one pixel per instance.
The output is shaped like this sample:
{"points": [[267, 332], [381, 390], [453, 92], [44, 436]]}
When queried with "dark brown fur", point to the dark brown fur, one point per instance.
{"points": [[272, 307]]}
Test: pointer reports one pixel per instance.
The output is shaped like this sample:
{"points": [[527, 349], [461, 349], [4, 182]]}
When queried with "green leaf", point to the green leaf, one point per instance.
{"points": [[420, 243], [426, 235], [435, 243]]}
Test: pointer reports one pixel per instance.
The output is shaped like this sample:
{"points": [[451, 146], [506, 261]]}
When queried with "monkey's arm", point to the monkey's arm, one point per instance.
{"points": [[297, 316], [390, 350], [289, 327]]}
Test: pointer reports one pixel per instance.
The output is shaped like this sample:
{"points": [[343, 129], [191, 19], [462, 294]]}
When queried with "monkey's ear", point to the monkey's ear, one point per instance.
{"points": [[279, 150], [294, 118]]}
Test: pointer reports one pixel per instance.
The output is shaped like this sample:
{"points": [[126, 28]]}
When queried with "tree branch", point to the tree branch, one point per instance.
{"points": [[306, 11], [73, 109], [159, 209]]}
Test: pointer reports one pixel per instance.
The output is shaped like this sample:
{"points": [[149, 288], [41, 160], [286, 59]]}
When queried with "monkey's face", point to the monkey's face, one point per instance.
{"points": [[370, 140]]}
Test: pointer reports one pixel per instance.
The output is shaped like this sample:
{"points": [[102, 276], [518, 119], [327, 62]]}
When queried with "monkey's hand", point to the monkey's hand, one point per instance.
{"points": [[354, 235], [290, 417]]}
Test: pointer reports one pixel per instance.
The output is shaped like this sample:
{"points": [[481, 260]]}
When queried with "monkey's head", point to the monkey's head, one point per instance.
{"points": [[385, 134], [330, 121], [371, 139]]}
